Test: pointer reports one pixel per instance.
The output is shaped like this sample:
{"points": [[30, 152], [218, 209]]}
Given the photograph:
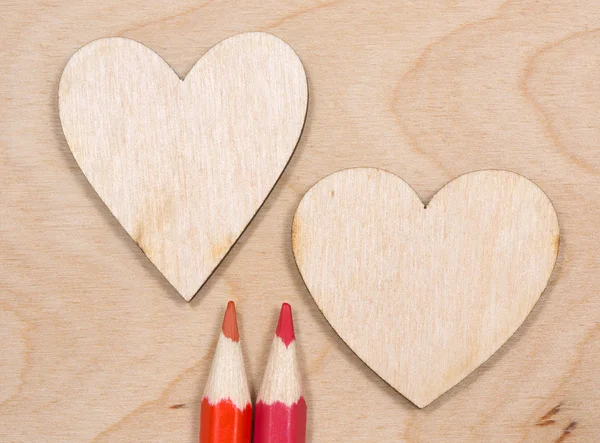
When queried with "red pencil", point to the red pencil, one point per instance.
{"points": [[280, 408], [226, 410]]}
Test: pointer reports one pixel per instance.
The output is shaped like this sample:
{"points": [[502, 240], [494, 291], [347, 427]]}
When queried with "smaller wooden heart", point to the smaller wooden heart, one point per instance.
{"points": [[424, 295], [184, 164]]}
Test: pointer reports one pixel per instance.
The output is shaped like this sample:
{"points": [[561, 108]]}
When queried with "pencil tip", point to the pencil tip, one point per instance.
{"points": [[285, 327], [230, 327]]}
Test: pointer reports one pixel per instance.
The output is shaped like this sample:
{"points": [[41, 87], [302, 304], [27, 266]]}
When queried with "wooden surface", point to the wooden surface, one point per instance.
{"points": [[184, 164], [425, 295], [96, 346]]}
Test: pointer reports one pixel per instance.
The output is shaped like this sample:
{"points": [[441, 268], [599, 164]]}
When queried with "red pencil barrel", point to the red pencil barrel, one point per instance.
{"points": [[225, 423]]}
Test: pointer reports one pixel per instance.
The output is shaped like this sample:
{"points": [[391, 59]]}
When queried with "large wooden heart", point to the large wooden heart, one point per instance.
{"points": [[424, 295], [184, 164]]}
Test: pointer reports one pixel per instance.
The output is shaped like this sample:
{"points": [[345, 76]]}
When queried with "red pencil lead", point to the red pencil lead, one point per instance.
{"points": [[285, 327], [230, 327]]}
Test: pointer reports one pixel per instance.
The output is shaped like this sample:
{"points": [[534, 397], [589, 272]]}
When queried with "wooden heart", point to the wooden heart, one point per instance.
{"points": [[184, 164], [424, 295]]}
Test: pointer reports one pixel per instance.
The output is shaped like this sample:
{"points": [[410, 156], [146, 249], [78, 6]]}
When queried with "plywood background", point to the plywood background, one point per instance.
{"points": [[96, 346]]}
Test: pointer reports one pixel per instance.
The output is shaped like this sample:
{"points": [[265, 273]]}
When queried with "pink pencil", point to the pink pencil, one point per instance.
{"points": [[280, 408]]}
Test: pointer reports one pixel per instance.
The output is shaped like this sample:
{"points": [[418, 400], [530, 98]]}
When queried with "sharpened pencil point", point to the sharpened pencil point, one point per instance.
{"points": [[280, 406], [285, 327], [226, 407], [230, 327]]}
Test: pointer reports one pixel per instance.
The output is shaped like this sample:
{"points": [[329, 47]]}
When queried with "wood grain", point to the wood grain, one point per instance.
{"points": [[96, 346], [424, 295], [184, 164]]}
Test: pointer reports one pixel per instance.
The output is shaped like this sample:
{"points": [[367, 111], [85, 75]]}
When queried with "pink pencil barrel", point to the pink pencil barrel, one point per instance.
{"points": [[281, 408]]}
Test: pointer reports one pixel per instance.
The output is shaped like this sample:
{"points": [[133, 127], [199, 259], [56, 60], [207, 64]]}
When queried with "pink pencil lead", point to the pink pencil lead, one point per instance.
{"points": [[285, 326]]}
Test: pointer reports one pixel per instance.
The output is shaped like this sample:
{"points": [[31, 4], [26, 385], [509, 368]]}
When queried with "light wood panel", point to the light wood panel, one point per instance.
{"points": [[184, 164], [96, 346], [424, 295]]}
